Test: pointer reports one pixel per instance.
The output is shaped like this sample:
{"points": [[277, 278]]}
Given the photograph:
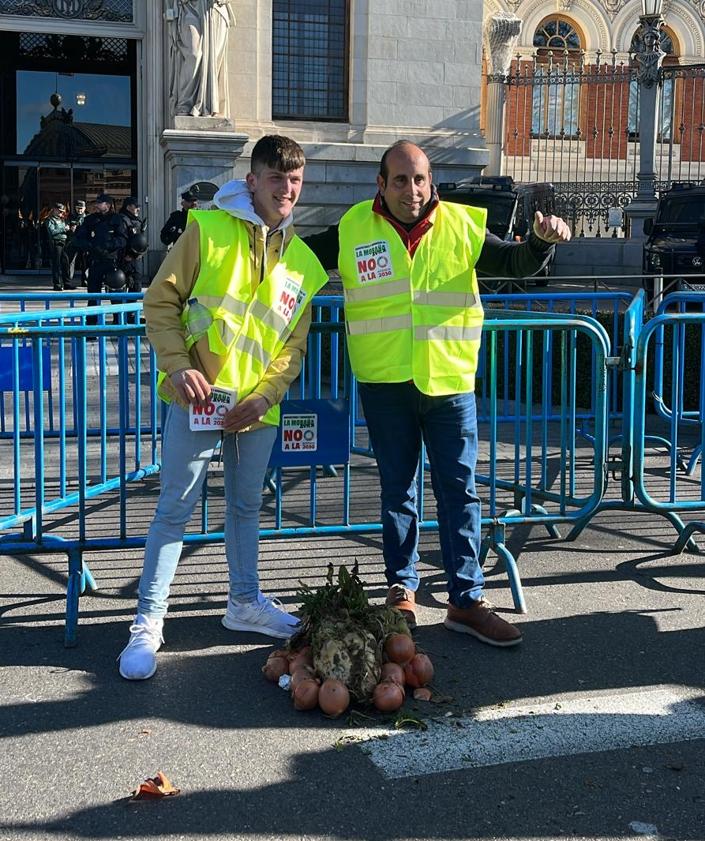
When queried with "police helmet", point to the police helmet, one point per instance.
{"points": [[138, 244], [115, 279]]}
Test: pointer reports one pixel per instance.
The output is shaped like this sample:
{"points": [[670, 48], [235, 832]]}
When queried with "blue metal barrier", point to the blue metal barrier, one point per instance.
{"points": [[678, 302], [536, 466], [31, 306], [684, 426], [102, 462]]}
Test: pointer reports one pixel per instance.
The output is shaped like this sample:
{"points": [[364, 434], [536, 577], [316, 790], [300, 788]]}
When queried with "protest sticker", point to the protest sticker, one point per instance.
{"points": [[299, 433], [290, 297], [373, 261], [211, 415]]}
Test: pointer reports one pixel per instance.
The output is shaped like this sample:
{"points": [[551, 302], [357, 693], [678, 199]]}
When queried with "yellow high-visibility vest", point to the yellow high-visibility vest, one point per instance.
{"points": [[247, 332], [414, 319]]}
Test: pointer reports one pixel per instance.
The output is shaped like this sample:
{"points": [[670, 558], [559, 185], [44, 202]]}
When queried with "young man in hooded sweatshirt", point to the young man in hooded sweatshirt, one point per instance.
{"points": [[250, 281]]}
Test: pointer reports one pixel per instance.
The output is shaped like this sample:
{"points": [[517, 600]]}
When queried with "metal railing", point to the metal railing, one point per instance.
{"points": [[87, 481], [575, 125]]}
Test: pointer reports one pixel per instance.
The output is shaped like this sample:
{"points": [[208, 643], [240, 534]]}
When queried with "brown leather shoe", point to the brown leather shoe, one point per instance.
{"points": [[482, 622], [405, 601]]}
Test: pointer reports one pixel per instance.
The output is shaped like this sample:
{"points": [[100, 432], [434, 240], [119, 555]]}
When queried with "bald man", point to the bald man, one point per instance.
{"points": [[414, 323]]}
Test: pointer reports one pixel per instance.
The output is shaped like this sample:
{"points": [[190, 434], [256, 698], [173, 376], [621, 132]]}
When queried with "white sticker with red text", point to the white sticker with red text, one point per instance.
{"points": [[373, 260], [299, 433], [211, 415], [290, 297]]}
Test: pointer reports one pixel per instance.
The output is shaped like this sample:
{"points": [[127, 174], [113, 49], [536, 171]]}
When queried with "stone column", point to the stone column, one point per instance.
{"points": [[502, 32], [192, 156], [150, 126], [646, 47]]}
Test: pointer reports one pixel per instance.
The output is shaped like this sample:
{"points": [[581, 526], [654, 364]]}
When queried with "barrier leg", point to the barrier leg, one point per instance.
{"points": [[485, 549], [693, 461], [551, 528], [577, 529], [685, 539], [87, 580], [269, 481], [73, 591], [495, 539]]}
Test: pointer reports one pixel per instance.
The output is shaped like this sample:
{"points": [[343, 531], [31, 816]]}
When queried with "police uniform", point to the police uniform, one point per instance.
{"points": [[175, 225], [76, 257], [57, 232], [103, 238], [131, 259]]}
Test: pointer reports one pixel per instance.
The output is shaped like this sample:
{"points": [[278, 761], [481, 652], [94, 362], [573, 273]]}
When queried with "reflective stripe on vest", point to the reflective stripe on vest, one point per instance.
{"points": [[417, 319], [249, 331]]}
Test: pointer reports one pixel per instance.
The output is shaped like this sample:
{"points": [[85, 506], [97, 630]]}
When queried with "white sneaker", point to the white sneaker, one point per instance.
{"points": [[264, 616], [138, 660]]}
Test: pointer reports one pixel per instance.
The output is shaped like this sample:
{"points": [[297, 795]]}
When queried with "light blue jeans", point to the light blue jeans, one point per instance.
{"points": [[185, 458]]}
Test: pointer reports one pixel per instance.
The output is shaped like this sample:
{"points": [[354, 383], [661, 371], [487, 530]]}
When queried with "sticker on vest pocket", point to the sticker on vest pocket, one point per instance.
{"points": [[289, 299], [373, 261]]}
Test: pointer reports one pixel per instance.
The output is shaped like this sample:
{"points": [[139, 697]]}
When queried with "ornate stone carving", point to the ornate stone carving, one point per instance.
{"points": [[612, 7], [502, 31], [646, 46], [198, 38], [108, 10]]}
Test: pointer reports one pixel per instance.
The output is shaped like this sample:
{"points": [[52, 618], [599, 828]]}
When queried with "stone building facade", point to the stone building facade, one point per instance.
{"points": [[588, 47], [204, 79]]}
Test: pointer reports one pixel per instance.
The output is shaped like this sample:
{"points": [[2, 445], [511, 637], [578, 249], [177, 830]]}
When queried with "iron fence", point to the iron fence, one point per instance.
{"points": [[574, 123]]}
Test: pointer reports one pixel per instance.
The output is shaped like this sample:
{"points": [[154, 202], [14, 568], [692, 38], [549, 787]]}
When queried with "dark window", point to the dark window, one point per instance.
{"points": [[557, 34], [310, 60]]}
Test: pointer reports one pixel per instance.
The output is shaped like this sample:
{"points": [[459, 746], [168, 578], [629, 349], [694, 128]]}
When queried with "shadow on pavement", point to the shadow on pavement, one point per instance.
{"points": [[597, 651]]}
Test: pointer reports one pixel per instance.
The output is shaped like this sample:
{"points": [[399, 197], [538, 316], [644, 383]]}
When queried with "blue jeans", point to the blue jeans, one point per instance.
{"points": [[399, 417], [185, 458]]}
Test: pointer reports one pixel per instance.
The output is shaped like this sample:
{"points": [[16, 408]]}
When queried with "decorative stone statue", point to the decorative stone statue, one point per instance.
{"points": [[198, 56], [502, 32]]}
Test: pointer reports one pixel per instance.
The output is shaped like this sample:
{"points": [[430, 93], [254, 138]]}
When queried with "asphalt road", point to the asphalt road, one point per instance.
{"points": [[592, 729], [613, 639]]}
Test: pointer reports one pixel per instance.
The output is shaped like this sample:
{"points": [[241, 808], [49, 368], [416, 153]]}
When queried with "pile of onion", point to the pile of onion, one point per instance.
{"points": [[403, 666], [307, 692]]}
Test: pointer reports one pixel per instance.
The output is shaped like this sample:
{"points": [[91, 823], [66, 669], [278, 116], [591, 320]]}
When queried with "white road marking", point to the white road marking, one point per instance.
{"points": [[499, 735]]}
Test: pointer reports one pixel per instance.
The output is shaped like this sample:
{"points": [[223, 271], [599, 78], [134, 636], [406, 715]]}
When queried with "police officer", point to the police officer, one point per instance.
{"points": [[57, 234], [136, 243], [103, 236], [76, 257], [176, 223]]}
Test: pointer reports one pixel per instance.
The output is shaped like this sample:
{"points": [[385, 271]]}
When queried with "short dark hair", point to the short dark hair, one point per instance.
{"points": [[383, 171], [277, 152]]}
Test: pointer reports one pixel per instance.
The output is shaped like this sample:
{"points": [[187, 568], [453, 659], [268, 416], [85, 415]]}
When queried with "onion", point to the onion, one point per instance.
{"points": [[388, 696], [418, 671], [334, 697], [394, 672], [302, 674], [274, 668], [399, 648], [306, 695], [423, 693], [301, 658]]}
